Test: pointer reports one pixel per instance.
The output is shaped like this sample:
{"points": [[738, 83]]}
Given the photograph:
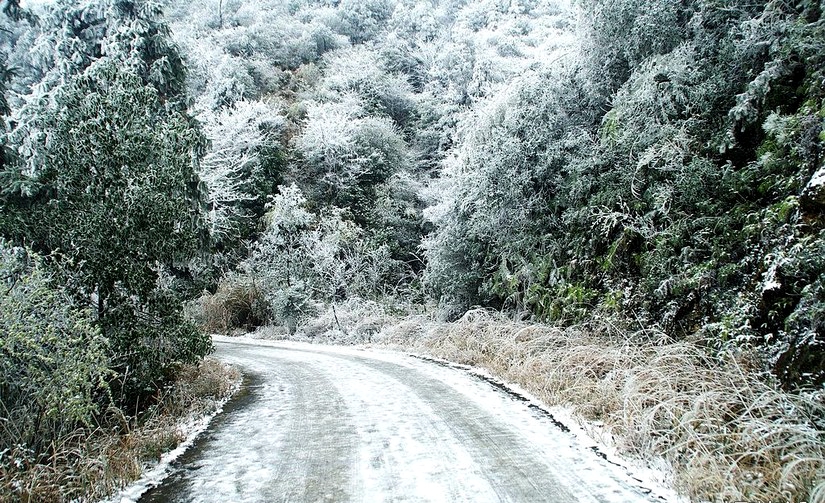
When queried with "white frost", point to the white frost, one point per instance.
{"points": [[155, 475], [407, 452]]}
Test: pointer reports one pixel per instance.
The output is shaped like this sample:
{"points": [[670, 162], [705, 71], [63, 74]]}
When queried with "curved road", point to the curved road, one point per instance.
{"points": [[318, 424]]}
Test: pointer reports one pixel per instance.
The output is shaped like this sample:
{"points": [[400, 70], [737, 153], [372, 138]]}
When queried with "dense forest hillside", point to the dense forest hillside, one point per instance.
{"points": [[170, 168], [657, 164]]}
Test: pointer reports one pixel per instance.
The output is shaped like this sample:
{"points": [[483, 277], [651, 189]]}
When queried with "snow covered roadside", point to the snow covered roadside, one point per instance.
{"points": [[588, 435], [189, 429], [672, 406]]}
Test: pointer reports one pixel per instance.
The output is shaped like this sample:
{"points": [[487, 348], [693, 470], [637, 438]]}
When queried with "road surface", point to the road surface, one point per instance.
{"points": [[317, 424]]}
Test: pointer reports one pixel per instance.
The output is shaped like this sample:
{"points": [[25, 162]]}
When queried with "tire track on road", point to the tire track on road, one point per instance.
{"points": [[330, 425]]}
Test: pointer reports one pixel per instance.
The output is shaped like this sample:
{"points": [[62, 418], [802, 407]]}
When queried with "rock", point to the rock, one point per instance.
{"points": [[813, 195]]}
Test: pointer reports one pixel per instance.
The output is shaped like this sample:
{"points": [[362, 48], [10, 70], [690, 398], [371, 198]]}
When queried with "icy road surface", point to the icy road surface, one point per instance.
{"points": [[318, 424]]}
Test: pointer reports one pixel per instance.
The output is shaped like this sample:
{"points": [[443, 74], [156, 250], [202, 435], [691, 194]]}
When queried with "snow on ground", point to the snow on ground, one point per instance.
{"points": [[591, 439], [156, 474], [345, 424]]}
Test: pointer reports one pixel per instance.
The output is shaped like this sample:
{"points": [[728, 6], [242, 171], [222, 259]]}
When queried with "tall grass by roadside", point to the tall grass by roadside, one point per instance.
{"points": [[237, 303], [92, 463], [729, 433], [353, 321]]}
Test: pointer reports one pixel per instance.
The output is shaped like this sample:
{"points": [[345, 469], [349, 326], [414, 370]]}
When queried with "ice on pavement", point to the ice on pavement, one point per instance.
{"points": [[343, 424]]}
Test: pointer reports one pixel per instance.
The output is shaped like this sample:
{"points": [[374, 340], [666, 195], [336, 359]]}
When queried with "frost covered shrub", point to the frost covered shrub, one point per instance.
{"points": [[361, 70], [346, 155], [53, 360], [354, 321], [241, 166], [304, 257], [291, 305], [361, 20]]}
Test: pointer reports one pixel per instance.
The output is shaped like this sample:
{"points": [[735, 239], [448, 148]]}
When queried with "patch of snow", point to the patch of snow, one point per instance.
{"points": [[155, 475], [817, 180], [770, 281]]}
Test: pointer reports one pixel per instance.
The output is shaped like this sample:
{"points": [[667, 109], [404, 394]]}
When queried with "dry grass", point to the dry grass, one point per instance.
{"points": [[729, 434], [354, 321], [91, 464], [238, 303]]}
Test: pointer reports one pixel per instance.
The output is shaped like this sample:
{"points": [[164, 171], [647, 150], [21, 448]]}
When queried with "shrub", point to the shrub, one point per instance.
{"points": [[53, 363]]}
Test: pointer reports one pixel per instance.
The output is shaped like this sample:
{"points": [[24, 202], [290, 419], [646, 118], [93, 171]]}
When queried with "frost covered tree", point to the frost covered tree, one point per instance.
{"points": [[503, 192], [361, 71], [115, 201], [5, 76], [238, 168], [13, 14], [73, 35], [279, 260], [347, 155], [105, 184], [304, 257], [362, 20]]}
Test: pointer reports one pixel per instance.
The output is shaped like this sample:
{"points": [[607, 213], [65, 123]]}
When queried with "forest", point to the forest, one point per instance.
{"points": [[647, 170]]}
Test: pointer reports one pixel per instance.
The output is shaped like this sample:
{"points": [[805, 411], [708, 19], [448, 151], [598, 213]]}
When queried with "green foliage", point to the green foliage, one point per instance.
{"points": [[115, 179], [53, 360], [151, 339], [77, 34], [684, 204], [106, 186]]}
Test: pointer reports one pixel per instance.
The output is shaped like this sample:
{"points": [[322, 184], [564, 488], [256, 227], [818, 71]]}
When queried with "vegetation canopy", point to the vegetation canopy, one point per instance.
{"points": [[173, 168]]}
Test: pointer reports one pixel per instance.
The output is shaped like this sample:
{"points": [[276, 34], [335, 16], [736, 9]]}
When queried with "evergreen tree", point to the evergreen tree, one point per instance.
{"points": [[106, 183]]}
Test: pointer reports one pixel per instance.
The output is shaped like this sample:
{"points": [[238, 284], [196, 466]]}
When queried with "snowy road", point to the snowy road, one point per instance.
{"points": [[318, 424]]}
